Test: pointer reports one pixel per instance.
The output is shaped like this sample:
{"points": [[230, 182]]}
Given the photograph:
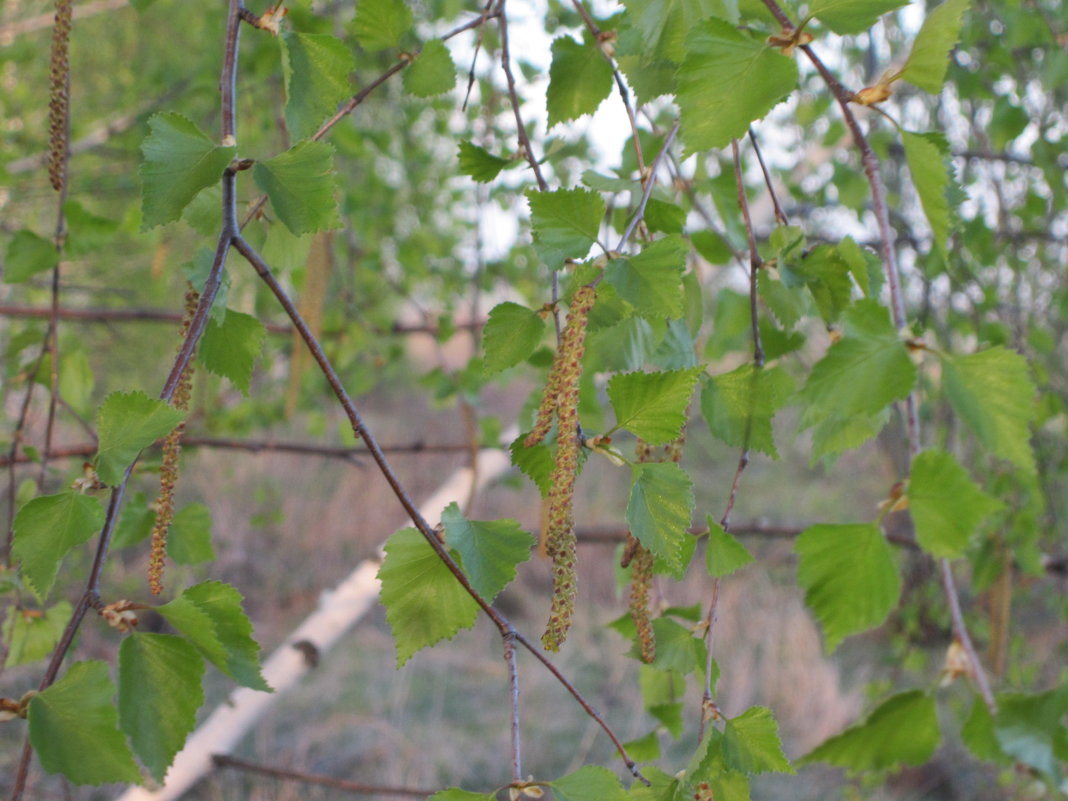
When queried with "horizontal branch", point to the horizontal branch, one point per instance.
{"points": [[224, 761], [41, 22]]}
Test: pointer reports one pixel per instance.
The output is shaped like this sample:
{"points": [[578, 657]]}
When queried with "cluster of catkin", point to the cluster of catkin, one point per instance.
{"points": [[59, 94], [560, 402], [172, 451]]}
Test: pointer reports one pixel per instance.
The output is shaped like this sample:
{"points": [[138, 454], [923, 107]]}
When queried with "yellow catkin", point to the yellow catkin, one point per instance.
{"points": [[641, 583], [59, 94], [560, 525], [172, 451]]}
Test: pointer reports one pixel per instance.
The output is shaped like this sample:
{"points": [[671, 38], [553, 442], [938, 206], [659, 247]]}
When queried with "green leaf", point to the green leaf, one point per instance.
{"points": [[902, 730], [664, 24], [127, 423], [180, 160], [994, 394], [511, 334], [315, 68], [230, 348], [751, 743], [433, 71], [1029, 728], [929, 57], [652, 280], [189, 541], [27, 255], [74, 728], [479, 163], [928, 158], [826, 274], [160, 692], [580, 78], [31, 636], [836, 434], [489, 550], [46, 528], [945, 504], [88, 233], [535, 462], [850, 578], [565, 223], [652, 406], [864, 371], [733, 72], [424, 601], [209, 615], [678, 650], [660, 508], [852, 16], [589, 783], [724, 554], [739, 406], [300, 183], [978, 734], [380, 24]]}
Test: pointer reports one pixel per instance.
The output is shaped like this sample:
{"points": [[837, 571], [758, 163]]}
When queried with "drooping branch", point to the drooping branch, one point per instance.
{"points": [[226, 761]]}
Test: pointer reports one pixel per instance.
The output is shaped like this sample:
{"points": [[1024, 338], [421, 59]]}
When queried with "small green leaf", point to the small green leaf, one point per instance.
{"points": [[724, 554], [733, 72], [660, 509], [580, 77], [1031, 728], [47, 528], [230, 348], [300, 183], [127, 423], [945, 504], [88, 233], [180, 160], [739, 406], [433, 71], [565, 223], [479, 163], [315, 68], [852, 16], [978, 734], [535, 462], [652, 280], [994, 394], [751, 743], [652, 406], [850, 578], [27, 255], [424, 601], [160, 692], [189, 542], [929, 57], [928, 158], [380, 24], [902, 730], [511, 334], [489, 550], [74, 728], [29, 637], [588, 783]]}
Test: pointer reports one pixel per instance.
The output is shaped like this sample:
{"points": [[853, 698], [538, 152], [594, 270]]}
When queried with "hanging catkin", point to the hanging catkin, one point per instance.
{"points": [[59, 95]]}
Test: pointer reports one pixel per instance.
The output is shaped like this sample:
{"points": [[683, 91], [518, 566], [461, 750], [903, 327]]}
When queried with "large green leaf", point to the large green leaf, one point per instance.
{"points": [[928, 158], [589, 783], [994, 394], [489, 549], [32, 636], [751, 743], [189, 542], [300, 183], [660, 509], [864, 371], [580, 77], [46, 528], [733, 72], [127, 423], [424, 601], [664, 24], [929, 57], [902, 730], [27, 255], [159, 694], [511, 334], [849, 576], [229, 348], [652, 280], [315, 68], [724, 554], [852, 16], [380, 24], [432, 72], [945, 504], [565, 223], [1031, 728], [74, 728], [652, 405], [739, 406], [180, 160]]}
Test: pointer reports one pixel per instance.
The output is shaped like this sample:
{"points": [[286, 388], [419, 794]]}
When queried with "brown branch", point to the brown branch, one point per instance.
{"points": [[513, 687], [10, 30], [513, 96], [780, 215], [225, 761], [639, 213]]}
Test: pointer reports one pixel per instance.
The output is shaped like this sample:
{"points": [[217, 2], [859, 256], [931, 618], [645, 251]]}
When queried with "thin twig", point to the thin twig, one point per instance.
{"points": [[226, 761], [513, 687], [478, 48], [513, 95], [780, 215], [12, 454], [639, 213]]}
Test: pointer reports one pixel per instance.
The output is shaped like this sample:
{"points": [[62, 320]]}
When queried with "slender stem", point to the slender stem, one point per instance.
{"points": [[16, 439], [639, 213], [513, 95], [755, 262], [227, 761], [780, 215], [513, 686]]}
